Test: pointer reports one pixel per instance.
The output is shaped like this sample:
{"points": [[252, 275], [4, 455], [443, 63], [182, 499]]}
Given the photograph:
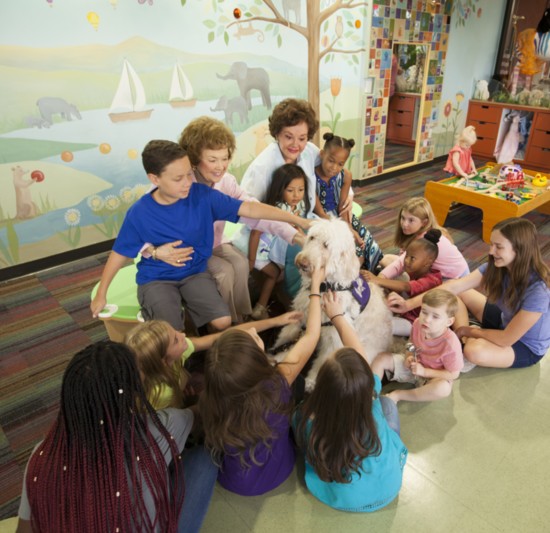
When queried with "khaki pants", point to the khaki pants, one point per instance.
{"points": [[229, 268]]}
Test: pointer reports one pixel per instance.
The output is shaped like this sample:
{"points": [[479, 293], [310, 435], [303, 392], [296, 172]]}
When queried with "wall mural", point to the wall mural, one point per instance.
{"points": [[86, 85]]}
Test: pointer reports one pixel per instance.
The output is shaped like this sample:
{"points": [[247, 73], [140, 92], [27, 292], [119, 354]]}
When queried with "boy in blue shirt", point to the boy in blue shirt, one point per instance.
{"points": [[178, 209]]}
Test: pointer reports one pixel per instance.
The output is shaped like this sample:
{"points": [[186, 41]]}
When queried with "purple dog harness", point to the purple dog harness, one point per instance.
{"points": [[359, 288]]}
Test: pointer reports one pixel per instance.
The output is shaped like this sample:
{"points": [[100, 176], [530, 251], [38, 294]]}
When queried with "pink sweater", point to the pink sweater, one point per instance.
{"points": [[449, 262]]}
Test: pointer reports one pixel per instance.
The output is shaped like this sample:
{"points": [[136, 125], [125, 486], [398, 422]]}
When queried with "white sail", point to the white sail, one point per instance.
{"points": [[180, 88], [130, 94]]}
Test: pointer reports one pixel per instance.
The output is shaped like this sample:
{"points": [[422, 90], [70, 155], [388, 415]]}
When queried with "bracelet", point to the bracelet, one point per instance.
{"points": [[315, 294], [336, 316], [154, 253]]}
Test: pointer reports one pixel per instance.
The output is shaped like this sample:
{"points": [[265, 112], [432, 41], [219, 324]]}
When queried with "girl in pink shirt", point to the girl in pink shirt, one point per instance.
{"points": [[460, 161], [415, 218]]}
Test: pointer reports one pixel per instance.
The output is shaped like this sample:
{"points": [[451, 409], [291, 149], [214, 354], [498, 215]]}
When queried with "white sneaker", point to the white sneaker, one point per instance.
{"points": [[259, 312], [468, 365]]}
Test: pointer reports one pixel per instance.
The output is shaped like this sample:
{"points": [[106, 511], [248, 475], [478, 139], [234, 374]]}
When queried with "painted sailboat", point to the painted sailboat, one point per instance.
{"points": [[181, 91], [129, 102]]}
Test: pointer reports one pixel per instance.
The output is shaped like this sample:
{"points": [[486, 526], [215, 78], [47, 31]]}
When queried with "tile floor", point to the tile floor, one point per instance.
{"points": [[479, 462]]}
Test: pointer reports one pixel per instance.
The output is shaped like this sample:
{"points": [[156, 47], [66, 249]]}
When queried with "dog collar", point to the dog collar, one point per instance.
{"points": [[359, 288]]}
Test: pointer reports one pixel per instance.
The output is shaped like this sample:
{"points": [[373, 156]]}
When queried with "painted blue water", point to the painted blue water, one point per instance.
{"points": [[116, 167]]}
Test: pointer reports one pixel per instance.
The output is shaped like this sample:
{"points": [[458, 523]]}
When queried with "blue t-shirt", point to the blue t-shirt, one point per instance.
{"points": [[537, 300], [190, 220], [381, 475]]}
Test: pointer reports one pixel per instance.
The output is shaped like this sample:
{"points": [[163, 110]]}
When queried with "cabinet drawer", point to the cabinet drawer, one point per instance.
{"points": [[540, 138], [403, 118], [484, 146], [399, 132], [540, 157], [484, 112], [487, 130], [542, 121], [402, 103]]}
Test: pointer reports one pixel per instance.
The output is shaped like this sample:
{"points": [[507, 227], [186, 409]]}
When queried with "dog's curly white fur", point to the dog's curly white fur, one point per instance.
{"points": [[331, 243]]}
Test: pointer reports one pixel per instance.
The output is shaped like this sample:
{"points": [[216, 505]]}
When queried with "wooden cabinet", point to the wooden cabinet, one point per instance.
{"points": [[487, 118], [403, 118], [538, 151]]}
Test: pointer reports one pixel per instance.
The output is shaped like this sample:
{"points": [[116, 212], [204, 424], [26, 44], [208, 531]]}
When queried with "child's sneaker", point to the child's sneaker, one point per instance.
{"points": [[259, 312], [468, 365]]}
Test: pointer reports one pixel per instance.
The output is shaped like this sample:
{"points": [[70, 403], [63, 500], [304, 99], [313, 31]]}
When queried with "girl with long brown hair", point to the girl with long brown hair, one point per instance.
{"points": [[246, 404], [349, 433], [514, 310]]}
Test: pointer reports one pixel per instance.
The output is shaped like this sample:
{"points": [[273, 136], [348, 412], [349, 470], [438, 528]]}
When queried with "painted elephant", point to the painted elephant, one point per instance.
{"points": [[52, 105], [248, 79], [231, 106]]}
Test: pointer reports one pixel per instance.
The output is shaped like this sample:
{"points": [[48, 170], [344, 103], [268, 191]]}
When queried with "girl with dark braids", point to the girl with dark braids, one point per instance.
{"points": [[333, 185], [110, 463]]}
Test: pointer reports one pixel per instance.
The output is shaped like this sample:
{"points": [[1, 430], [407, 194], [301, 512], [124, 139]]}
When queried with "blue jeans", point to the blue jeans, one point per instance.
{"points": [[200, 475], [389, 408]]}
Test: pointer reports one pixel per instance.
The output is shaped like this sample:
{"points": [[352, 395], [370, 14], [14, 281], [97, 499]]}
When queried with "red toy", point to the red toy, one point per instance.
{"points": [[513, 176]]}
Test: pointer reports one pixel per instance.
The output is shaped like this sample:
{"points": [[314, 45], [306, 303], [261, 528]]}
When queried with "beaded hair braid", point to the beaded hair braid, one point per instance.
{"points": [[89, 473]]}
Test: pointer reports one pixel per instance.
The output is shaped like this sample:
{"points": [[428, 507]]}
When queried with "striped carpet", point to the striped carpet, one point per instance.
{"points": [[45, 319]]}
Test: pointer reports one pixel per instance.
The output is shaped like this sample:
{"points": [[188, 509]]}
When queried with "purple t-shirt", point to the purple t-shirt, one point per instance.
{"points": [[276, 461], [536, 299]]}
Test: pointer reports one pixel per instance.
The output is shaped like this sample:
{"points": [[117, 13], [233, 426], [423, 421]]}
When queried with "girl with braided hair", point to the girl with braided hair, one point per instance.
{"points": [[333, 185], [110, 463]]}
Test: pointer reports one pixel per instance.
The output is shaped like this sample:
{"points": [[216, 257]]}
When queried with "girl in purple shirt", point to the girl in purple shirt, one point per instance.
{"points": [[246, 404]]}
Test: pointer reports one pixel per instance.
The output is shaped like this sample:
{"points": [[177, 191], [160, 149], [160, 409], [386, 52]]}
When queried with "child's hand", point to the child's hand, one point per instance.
{"points": [[172, 254], [97, 305], [417, 369], [396, 303], [358, 240], [368, 276], [331, 304], [292, 317], [409, 360], [317, 277], [305, 223], [299, 238]]}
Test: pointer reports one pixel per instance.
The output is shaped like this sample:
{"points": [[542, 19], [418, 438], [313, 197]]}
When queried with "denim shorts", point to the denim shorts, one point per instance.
{"points": [[523, 356]]}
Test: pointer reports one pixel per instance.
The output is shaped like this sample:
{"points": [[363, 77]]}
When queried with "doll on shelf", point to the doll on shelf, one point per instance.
{"points": [[460, 161]]}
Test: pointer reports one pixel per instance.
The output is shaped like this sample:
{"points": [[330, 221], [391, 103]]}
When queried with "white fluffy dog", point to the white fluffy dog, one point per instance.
{"points": [[330, 242]]}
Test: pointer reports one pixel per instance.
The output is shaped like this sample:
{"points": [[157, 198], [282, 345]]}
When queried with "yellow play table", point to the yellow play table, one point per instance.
{"points": [[441, 194]]}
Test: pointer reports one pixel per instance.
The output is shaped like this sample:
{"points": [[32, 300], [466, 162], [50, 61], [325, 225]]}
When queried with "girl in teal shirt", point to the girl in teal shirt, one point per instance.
{"points": [[349, 434]]}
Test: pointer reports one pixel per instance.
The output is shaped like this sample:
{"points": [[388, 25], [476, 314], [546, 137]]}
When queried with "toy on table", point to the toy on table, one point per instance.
{"points": [[539, 181], [460, 161], [513, 176]]}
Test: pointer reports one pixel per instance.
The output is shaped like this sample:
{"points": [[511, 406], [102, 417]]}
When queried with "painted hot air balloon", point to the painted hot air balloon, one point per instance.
{"points": [[93, 19]]}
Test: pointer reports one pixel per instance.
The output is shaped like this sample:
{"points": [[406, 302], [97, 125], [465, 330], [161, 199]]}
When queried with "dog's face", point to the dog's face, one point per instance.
{"points": [[330, 244]]}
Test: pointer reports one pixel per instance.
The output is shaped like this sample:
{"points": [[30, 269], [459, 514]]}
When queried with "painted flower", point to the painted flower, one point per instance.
{"points": [[448, 108], [459, 96], [112, 202], [126, 195], [95, 202], [72, 217], [140, 190], [335, 86]]}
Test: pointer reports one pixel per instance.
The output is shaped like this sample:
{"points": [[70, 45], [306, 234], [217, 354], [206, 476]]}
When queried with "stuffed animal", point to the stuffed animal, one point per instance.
{"points": [[523, 97], [536, 96], [482, 90]]}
